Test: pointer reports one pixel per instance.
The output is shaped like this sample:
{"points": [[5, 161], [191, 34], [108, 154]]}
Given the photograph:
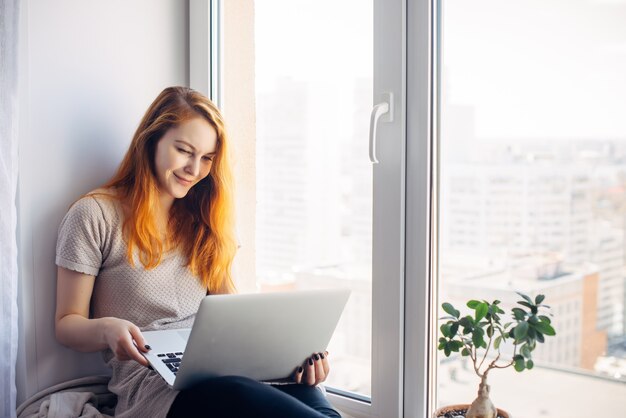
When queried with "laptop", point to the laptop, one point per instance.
{"points": [[263, 336]]}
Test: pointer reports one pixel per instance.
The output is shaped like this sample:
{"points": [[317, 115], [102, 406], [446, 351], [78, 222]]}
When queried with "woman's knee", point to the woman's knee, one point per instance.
{"points": [[226, 386], [236, 383], [223, 396], [312, 397]]}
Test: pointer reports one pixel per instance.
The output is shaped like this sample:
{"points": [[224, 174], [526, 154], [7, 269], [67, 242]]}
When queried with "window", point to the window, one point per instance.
{"points": [[326, 216], [314, 177], [504, 158], [531, 112]]}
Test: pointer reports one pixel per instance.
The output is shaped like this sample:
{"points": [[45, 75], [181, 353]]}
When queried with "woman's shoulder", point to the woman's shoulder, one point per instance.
{"points": [[98, 203]]}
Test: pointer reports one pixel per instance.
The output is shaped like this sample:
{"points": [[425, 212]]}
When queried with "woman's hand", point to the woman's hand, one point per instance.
{"points": [[314, 370], [125, 340]]}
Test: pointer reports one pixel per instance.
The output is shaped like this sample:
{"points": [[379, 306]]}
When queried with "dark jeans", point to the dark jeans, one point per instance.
{"points": [[240, 397]]}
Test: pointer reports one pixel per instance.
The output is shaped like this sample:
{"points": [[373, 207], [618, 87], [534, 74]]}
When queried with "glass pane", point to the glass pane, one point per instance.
{"points": [[314, 179], [533, 193]]}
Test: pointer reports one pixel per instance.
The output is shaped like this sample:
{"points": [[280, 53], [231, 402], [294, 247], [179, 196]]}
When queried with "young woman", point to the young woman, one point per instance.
{"points": [[141, 252]]}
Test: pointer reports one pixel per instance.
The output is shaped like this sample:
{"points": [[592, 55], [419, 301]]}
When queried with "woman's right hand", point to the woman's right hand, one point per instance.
{"points": [[125, 340]]}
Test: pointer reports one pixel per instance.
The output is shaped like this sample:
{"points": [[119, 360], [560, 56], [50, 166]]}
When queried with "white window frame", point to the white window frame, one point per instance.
{"points": [[205, 48], [422, 191], [404, 256]]}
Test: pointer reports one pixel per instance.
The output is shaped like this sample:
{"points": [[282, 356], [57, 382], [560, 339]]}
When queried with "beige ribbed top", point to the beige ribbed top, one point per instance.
{"points": [[90, 241]]}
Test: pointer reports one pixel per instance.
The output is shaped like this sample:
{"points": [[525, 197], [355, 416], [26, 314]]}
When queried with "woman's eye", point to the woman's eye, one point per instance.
{"points": [[184, 151], [207, 158]]}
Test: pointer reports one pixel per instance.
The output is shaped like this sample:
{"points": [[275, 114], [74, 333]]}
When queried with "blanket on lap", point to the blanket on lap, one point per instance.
{"points": [[87, 397]]}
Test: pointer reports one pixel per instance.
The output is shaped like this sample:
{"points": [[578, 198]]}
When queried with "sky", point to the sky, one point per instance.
{"points": [[531, 69], [315, 39], [537, 68]]}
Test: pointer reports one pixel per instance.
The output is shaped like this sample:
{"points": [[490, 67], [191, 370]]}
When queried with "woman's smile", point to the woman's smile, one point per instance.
{"points": [[183, 181]]}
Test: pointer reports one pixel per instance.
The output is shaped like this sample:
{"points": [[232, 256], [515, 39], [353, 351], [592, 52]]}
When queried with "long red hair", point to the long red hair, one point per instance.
{"points": [[201, 224]]}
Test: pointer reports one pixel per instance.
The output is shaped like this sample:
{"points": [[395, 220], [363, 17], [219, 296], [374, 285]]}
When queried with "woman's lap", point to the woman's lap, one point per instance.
{"points": [[240, 397]]}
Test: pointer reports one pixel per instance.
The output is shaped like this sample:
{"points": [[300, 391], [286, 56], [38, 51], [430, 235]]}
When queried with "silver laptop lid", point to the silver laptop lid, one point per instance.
{"points": [[264, 336]]}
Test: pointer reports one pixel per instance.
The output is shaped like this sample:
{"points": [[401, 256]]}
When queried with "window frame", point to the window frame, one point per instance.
{"points": [[403, 320], [422, 194], [205, 48]]}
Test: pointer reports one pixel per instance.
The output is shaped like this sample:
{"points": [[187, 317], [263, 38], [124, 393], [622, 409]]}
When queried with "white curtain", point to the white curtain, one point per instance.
{"points": [[9, 13]]}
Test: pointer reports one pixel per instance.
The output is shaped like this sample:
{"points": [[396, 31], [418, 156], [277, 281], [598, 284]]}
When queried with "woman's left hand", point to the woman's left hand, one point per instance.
{"points": [[314, 370]]}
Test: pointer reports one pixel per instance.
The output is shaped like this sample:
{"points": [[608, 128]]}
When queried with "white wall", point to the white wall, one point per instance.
{"points": [[89, 70]]}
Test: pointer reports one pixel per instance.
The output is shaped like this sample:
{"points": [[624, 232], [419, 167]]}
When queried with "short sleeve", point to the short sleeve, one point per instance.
{"points": [[81, 235]]}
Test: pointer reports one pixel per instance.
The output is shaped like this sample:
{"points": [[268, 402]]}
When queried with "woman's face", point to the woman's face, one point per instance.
{"points": [[183, 157]]}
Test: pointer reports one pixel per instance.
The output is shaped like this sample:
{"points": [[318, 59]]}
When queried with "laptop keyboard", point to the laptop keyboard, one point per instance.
{"points": [[171, 360]]}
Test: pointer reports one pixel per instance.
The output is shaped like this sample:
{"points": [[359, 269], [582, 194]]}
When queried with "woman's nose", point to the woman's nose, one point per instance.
{"points": [[193, 167]]}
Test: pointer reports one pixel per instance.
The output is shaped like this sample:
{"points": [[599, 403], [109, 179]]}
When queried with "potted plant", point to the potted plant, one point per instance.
{"points": [[480, 337]]}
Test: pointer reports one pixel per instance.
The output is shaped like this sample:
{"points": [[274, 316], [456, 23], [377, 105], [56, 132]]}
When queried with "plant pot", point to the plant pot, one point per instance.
{"points": [[442, 411]]}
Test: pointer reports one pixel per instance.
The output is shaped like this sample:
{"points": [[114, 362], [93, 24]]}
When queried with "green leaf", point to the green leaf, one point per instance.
{"points": [[472, 304], [529, 364], [539, 337], [466, 321], [445, 330], [490, 331], [539, 299], [497, 342], [519, 314], [446, 350], [544, 318], [449, 309], [481, 311], [525, 351], [454, 328], [465, 352], [455, 346], [526, 304], [545, 328], [477, 338], [519, 363], [521, 330], [526, 298]]}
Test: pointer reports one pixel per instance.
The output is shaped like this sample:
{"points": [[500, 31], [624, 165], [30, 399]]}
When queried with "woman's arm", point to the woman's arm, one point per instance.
{"points": [[75, 330]]}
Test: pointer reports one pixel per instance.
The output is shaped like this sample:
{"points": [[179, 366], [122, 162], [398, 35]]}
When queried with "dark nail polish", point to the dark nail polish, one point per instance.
{"points": [[148, 347], [317, 357], [322, 356], [310, 362], [300, 369]]}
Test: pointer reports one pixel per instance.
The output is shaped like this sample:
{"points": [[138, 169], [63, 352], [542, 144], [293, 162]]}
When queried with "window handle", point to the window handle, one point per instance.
{"points": [[384, 112]]}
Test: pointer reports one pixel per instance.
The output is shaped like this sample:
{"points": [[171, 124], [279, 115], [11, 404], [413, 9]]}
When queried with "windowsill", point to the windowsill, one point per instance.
{"points": [[540, 392]]}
